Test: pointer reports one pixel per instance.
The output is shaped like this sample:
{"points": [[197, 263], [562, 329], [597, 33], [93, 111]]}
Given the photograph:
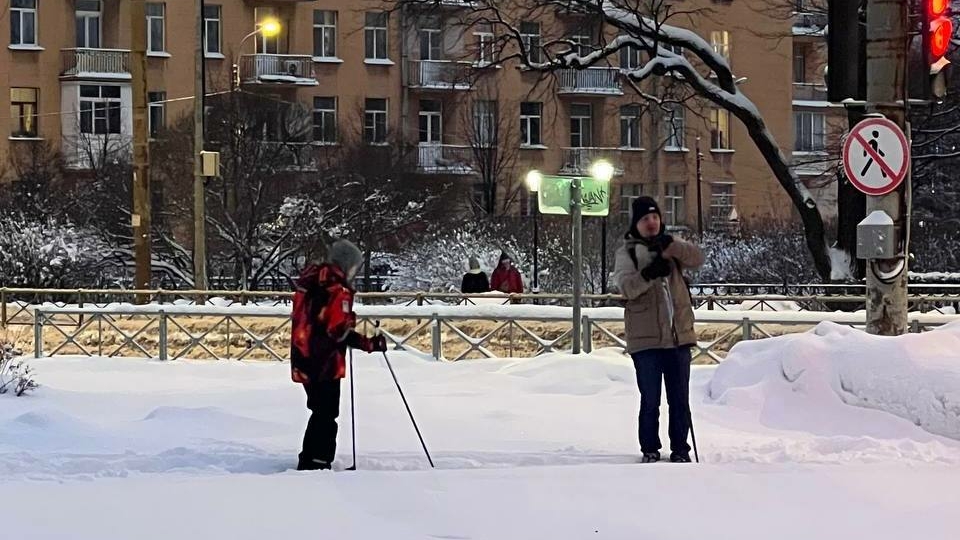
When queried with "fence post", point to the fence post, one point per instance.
{"points": [[915, 326], [437, 338], [3, 306], [747, 329], [37, 333], [587, 335], [163, 335]]}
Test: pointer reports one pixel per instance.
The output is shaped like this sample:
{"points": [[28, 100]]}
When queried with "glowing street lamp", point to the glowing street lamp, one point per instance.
{"points": [[533, 180], [603, 170]]}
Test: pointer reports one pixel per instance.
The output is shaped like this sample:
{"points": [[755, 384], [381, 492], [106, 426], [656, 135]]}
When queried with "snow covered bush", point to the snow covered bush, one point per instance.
{"points": [[757, 255], [15, 373], [437, 260], [48, 252]]}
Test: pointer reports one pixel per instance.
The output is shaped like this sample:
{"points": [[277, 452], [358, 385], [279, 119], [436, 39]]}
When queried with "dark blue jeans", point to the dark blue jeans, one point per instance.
{"points": [[672, 367]]}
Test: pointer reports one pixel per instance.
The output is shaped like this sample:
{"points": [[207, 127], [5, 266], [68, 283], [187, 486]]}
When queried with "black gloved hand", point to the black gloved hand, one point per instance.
{"points": [[661, 242], [378, 343], [658, 268]]}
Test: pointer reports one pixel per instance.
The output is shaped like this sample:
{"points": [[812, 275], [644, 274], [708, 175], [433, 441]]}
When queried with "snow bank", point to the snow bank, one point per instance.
{"points": [[796, 381]]}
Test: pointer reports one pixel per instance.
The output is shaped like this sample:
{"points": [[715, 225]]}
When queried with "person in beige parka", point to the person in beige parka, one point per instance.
{"points": [[658, 319]]}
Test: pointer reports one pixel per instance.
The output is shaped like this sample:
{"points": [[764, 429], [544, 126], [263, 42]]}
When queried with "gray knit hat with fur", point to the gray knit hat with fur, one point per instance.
{"points": [[345, 256]]}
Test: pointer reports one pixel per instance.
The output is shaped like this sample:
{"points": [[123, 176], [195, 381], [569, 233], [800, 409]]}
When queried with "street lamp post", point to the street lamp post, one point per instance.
{"points": [[533, 184], [603, 170]]}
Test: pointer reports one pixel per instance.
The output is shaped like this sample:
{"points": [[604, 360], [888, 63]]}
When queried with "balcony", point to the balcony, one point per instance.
{"points": [[809, 92], [277, 69], [444, 159], [440, 74], [602, 81], [577, 161], [95, 64], [809, 24]]}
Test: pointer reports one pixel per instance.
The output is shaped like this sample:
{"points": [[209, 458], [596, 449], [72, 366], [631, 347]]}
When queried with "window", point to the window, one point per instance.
{"points": [[88, 24], [630, 57], [720, 41], [583, 42], [431, 121], [530, 119], [431, 39], [155, 26], [720, 129], [267, 44], [721, 206], [674, 208], [675, 126], [375, 121], [808, 132], [23, 112], [375, 35], [799, 66], [485, 123], [99, 109], [324, 33], [581, 125], [486, 52], [628, 192], [630, 126], [158, 112], [211, 28], [530, 36], [325, 120], [23, 22]]}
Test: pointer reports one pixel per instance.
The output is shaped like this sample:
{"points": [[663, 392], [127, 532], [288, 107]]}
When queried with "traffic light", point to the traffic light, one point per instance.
{"points": [[937, 30]]}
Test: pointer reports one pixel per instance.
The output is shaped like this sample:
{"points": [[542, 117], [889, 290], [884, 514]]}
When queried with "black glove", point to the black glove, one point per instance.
{"points": [[658, 268], [378, 343], [661, 242]]}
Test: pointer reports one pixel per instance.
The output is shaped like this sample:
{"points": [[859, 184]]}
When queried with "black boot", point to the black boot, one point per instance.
{"points": [[313, 465], [680, 457], [650, 457]]}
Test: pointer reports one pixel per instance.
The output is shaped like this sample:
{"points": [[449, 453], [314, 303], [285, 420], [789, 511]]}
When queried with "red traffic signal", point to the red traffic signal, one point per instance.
{"points": [[941, 29], [937, 29], [936, 8]]}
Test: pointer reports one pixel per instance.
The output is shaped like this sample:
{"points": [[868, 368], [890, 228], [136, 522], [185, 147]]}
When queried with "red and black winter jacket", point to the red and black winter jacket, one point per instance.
{"points": [[323, 325]]}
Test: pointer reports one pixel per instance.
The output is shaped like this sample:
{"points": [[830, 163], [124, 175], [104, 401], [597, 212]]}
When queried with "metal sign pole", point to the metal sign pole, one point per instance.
{"points": [[576, 203]]}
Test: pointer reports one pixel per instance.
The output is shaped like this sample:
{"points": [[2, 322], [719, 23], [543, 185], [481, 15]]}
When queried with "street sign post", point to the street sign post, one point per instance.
{"points": [[575, 196]]}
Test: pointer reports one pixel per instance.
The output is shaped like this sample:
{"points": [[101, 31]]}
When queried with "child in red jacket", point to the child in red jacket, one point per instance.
{"points": [[323, 328]]}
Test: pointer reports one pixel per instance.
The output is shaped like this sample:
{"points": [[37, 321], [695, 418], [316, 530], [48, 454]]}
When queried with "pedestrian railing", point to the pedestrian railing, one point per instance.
{"points": [[17, 304], [168, 332]]}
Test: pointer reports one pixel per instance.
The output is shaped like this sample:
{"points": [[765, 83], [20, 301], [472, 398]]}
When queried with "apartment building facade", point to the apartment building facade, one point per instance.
{"points": [[818, 124], [420, 79]]}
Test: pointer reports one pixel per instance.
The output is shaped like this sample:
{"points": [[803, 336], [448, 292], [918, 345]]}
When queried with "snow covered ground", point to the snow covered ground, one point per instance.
{"points": [[828, 434]]}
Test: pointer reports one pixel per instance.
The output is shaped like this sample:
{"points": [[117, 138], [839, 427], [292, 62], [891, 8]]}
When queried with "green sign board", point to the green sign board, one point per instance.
{"points": [[554, 195]]}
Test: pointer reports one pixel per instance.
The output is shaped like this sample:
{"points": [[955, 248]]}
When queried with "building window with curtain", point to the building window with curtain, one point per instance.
{"points": [[23, 112]]}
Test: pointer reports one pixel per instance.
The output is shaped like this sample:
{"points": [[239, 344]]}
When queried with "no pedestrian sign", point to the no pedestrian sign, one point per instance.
{"points": [[876, 156]]}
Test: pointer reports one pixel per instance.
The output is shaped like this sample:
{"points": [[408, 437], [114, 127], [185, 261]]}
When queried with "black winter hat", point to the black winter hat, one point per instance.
{"points": [[641, 206]]}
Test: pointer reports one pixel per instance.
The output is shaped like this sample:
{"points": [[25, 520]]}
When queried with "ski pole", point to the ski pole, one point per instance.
{"points": [[409, 412], [693, 434], [353, 418]]}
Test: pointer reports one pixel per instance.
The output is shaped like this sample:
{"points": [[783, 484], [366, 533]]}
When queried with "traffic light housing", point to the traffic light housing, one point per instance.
{"points": [[936, 30]]}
